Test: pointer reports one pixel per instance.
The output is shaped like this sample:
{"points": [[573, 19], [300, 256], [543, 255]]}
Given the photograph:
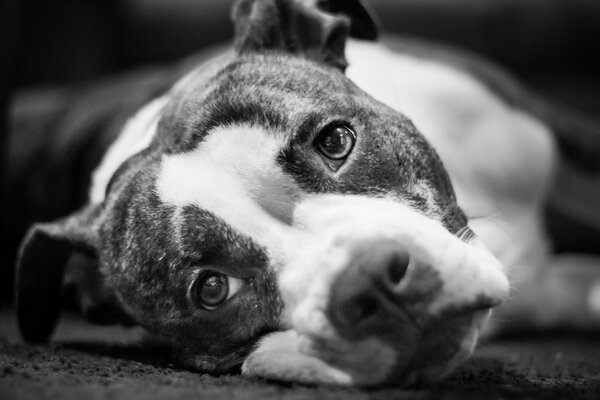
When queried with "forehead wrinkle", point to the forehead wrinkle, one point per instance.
{"points": [[260, 77]]}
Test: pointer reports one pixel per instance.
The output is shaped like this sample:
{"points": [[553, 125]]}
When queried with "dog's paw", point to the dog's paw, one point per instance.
{"points": [[278, 356]]}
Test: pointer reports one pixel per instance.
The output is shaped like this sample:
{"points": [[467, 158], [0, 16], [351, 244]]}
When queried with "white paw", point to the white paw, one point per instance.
{"points": [[278, 357]]}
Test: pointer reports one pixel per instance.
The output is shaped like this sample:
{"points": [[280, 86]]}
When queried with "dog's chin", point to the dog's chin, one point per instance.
{"points": [[404, 357], [440, 350]]}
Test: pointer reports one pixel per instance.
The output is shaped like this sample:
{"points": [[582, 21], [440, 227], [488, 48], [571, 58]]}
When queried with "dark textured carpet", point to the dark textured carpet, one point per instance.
{"points": [[86, 362]]}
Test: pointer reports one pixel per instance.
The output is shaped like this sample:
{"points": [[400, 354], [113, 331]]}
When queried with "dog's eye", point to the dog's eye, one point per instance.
{"points": [[336, 142], [212, 289]]}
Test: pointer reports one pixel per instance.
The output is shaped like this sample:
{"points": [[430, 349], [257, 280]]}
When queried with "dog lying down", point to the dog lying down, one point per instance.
{"points": [[309, 222]]}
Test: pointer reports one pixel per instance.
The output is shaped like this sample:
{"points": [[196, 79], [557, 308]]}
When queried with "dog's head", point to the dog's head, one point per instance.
{"points": [[276, 217]]}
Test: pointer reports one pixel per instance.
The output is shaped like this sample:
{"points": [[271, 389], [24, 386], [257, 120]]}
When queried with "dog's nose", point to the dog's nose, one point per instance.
{"points": [[365, 295]]}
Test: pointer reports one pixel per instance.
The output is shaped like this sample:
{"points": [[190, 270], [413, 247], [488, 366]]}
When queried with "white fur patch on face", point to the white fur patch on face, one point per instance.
{"points": [[233, 174], [135, 136]]}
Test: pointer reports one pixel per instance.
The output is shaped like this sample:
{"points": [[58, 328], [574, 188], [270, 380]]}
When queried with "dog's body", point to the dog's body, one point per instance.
{"points": [[340, 236]]}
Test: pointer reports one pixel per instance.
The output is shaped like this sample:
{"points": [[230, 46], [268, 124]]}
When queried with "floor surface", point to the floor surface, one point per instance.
{"points": [[87, 362]]}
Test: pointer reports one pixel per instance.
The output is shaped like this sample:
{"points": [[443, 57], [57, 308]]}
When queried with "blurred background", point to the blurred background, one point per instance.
{"points": [[50, 47]]}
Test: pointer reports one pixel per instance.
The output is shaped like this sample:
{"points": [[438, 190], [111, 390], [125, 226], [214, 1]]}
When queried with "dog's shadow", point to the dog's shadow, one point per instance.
{"points": [[114, 341]]}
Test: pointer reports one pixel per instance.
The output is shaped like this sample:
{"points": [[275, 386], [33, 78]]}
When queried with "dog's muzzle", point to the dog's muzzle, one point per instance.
{"points": [[379, 293], [374, 295]]}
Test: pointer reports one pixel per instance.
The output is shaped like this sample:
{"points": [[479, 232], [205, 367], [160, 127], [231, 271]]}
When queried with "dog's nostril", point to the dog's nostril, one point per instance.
{"points": [[398, 264], [366, 294]]}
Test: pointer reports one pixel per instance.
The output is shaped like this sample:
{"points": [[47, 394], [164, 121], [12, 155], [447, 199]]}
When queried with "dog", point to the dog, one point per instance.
{"points": [[320, 209]]}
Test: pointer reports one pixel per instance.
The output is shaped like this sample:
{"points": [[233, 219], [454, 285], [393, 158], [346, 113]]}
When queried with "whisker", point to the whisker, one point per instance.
{"points": [[495, 219], [484, 217]]}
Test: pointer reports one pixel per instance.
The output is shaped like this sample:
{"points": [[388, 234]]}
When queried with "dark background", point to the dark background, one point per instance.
{"points": [[551, 45]]}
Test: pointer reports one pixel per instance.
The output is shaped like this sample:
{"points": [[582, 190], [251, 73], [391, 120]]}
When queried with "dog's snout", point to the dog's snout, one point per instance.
{"points": [[365, 294]]}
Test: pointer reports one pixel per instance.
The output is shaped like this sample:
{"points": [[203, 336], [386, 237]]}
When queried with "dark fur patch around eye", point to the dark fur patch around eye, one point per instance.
{"points": [[209, 240], [151, 254], [296, 162]]}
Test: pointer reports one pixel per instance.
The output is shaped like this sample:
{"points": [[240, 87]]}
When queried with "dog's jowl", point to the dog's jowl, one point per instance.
{"points": [[268, 213]]}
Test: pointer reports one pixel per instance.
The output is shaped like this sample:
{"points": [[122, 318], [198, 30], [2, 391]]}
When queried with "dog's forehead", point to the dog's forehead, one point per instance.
{"points": [[275, 91]]}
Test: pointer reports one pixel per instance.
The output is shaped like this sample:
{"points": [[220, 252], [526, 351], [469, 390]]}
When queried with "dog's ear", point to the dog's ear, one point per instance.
{"points": [[363, 24], [43, 258], [317, 29]]}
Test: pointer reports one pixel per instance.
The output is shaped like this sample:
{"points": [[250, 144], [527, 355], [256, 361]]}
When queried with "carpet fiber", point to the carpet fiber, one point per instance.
{"points": [[88, 362]]}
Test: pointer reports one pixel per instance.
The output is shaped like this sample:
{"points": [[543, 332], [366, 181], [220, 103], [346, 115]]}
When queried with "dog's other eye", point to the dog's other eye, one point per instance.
{"points": [[336, 142], [212, 289]]}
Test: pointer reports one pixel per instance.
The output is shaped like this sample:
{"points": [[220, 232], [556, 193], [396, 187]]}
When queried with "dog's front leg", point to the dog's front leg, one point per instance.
{"points": [[280, 356]]}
